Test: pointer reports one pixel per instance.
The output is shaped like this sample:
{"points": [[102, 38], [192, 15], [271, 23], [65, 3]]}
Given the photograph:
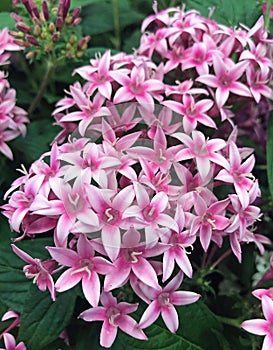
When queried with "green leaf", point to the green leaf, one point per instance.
{"points": [[5, 5], [269, 153], [230, 13], [97, 18], [40, 134], [6, 20], [42, 319], [198, 324], [77, 3], [14, 286]]}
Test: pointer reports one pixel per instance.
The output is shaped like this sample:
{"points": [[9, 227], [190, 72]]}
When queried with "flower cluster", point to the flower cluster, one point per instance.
{"points": [[50, 30], [143, 174], [12, 117]]}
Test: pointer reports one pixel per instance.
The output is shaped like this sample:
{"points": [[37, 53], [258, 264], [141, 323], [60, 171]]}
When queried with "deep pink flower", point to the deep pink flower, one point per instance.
{"points": [[225, 79], [113, 315], [238, 173], [83, 266], [39, 270], [163, 302], [263, 326], [10, 343], [202, 150], [192, 112]]}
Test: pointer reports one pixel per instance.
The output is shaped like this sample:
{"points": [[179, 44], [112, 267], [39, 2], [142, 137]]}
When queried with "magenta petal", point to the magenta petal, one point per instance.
{"points": [[63, 256], [85, 249], [267, 306], [144, 271], [268, 342], [67, 280], [111, 240], [108, 334], [150, 315], [256, 326], [170, 318], [168, 265], [129, 326], [184, 297], [93, 314], [91, 288], [9, 341]]}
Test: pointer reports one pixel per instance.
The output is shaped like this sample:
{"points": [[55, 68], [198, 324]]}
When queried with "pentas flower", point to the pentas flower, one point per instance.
{"points": [[83, 266], [263, 326], [163, 302], [39, 270], [114, 315], [225, 79], [132, 259], [238, 173], [202, 150], [192, 112], [10, 343]]}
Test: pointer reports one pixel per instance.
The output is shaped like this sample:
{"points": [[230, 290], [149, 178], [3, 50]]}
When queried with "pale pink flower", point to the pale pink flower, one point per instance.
{"points": [[163, 302], [238, 173], [114, 315], [192, 112], [263, 326], [83, 266], [137, 87], [202, 150], [225, 79], [10, 343], [132, 259], [39, 270]]}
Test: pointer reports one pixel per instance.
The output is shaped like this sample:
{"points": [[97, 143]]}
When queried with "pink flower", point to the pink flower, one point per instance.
{"points": [[192, 112], [83, 266], [263, 326], [10, 343], [137, 87], [132, 259], [202, 150], [238, 174], [225, 79], [113, 315], [39, 270], [163, 302]]}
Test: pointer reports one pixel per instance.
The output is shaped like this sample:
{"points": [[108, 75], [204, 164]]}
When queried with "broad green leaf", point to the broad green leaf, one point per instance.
{"points": [[6, 20], [199, 325], [76, 3], [269, 154], [42, 319], [5, 5], [230, 13], [14, 286], [40, 134], [97, 18]]}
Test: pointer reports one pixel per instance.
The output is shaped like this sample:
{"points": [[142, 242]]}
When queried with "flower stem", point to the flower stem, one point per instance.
{"points": [[220, 259], [117, 42], [42, 89], [230, 321], [267, 15]]}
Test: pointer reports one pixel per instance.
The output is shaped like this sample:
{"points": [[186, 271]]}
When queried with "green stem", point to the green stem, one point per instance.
{"points": [[267, 15], [220, 259], [230, 321], [42, 89], [116, 24]]}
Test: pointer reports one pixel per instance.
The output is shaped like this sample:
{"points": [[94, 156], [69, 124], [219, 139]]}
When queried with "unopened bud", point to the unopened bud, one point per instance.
{"points": [[37, 30], [17, 35], [68, 46], [79, 54], [22, 43], [66, 6], [68, 20], [69, 54], [48, 48], [23, 27], [31, 55], [73, 39], [27, 6], [51, 27], [16, 17], [32, 40], [43, 35], [76, 21], [75, 13], [55, 37], [45, 11], [59, 23]]}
